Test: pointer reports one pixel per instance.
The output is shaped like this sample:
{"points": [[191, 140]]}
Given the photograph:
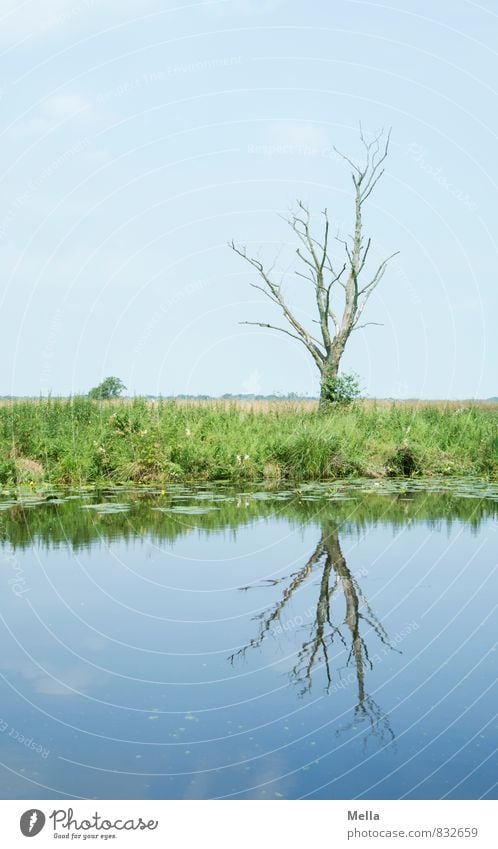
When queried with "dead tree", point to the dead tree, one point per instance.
{"points": [[341, 287]]}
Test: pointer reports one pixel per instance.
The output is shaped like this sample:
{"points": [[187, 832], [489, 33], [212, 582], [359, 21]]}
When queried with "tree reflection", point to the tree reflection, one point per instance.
{"points": [[331, 628]]}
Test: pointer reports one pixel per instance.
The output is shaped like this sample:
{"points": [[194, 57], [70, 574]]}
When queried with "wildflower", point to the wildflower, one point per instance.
{"points": [[188, 432]]}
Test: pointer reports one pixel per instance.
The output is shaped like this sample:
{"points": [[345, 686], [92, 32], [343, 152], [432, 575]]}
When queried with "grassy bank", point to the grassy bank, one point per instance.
{"points": [[80, 441]]}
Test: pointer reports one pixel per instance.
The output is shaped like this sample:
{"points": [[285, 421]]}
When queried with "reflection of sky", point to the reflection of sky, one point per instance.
{"points": [[117, 657]]}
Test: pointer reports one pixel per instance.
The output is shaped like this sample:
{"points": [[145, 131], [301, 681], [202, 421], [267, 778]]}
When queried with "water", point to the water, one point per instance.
{"points": [[323, 641]]}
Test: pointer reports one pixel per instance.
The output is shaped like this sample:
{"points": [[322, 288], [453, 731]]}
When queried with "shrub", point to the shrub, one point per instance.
{"points": [[341, 390], [402, 462]]}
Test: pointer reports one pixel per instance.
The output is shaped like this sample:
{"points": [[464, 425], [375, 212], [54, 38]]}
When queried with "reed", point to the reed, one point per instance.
{"points": [[78, 441]]}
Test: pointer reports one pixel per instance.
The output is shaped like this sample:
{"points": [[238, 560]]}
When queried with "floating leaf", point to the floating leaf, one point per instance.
{"points": [[186, 511]]}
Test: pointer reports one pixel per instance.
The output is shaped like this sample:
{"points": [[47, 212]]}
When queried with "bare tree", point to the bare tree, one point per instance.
{"points": [[351, 278]]}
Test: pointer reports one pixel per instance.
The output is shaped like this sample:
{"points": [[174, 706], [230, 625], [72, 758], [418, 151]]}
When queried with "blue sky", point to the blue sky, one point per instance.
{"points": [[140, 136]]}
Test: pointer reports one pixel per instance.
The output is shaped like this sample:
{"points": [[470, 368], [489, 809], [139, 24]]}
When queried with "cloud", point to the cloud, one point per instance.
{"points": [[298, 135], [65, 107], [243, 7], [252, 384], [54, 111], [99, 156], [64, 681], [33, 19]]}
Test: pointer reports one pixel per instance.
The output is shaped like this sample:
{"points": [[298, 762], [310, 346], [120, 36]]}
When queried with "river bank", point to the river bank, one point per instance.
{"points": [[78, 441]]}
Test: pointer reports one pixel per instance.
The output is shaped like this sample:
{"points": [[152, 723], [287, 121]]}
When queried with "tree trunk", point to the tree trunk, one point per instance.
{"points": [[328, 373]]}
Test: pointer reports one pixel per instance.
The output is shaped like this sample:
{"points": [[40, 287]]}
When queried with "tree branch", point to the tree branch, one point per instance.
{"points": [[336, 316], [378, 274], [367, 324], [282, 330], [303, 335]]}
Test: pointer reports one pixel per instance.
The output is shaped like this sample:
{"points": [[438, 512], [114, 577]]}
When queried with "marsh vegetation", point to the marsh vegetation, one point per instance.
{"points": [[79, 441]]}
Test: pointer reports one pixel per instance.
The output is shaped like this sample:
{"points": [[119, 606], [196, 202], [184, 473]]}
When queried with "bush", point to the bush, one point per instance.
{"points": [[341, 390], [403, 462]]}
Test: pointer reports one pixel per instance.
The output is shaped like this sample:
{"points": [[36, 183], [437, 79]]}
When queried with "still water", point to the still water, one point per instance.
{"points": [[323, 641]]}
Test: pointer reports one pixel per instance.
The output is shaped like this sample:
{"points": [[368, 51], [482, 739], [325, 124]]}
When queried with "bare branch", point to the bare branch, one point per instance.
{"points": [[339, 315], [353, 165], [336, 279], [367, 324], [282, 330], [378, 274], [305, 276], [265, 292], [364, 257], [370, 187], [302, 334], [325, 242], [346, 247], [303, 258]]}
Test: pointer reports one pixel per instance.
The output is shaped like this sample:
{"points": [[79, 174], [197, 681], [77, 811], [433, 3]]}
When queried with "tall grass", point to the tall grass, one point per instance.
{"points": [[78, 441]]}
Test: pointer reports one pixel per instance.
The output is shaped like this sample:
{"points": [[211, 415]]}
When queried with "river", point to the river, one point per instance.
{"points": [[323, 641]]}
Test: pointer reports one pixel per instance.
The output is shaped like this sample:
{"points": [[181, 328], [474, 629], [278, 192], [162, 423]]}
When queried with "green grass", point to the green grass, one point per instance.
{"points": [[78, 441]]}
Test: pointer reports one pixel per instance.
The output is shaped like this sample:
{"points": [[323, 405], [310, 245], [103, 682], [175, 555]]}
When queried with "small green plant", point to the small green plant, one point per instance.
{"points": [[111, 387], [403, 462], [341, 390], [7, 471]]}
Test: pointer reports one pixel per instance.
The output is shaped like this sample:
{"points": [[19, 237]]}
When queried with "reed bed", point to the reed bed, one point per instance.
{"points": [[78, 441]]}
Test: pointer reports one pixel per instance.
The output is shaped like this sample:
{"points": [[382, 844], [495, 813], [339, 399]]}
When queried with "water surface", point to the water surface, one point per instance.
{"points": [[322, 641]]}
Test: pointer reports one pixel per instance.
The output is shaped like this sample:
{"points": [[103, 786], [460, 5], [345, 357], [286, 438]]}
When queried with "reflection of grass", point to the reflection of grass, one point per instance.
{"points": [[77, 441], [48, 520]]}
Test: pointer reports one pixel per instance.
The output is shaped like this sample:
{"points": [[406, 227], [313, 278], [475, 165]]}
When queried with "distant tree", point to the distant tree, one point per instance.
{"points": [[111, 387], [341, 286]]}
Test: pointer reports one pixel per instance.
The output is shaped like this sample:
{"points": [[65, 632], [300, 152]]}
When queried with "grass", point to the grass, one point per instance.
{"points": [[77, 441]]}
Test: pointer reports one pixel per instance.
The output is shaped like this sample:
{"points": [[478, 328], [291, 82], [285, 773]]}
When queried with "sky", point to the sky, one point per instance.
{"points": [[139, 137]]}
